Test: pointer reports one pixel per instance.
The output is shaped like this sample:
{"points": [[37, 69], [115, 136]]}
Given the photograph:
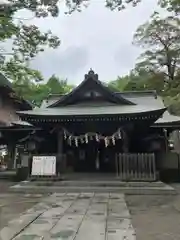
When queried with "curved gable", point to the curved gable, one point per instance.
{"points": [[92, 90]]}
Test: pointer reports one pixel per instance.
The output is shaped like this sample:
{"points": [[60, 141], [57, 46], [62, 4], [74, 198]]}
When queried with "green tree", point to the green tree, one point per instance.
{"points": [[30, 91], [58, 86], [120, 83], [161, 38], [139, 79], [37, 92], [43, 8], [27, 40], [170, 5]]}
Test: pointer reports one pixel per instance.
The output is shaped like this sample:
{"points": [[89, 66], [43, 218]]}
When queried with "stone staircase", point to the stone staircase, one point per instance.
{"points": [[95, 185]]}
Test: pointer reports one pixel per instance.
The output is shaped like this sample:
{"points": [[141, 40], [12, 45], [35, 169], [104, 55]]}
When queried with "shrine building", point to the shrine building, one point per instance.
{"points": [[90, 127]]}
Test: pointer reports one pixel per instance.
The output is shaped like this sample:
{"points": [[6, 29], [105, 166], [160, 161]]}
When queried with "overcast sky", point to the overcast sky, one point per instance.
{"points": [[95, 38]]}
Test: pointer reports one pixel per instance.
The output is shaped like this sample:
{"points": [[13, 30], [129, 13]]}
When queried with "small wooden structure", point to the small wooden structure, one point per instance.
{"points": [[136, 166], [12, 128]]}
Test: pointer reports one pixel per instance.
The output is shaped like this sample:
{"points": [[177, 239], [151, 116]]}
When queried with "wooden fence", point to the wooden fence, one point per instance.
{"points": [[136, 167]]}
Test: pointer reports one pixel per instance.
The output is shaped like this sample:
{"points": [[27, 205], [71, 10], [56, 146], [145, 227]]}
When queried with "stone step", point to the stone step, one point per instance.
{"points": [[82, 183], [163, 190]]}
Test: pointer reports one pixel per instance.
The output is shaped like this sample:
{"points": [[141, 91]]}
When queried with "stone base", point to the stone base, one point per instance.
{"points": [[134, 188], [170, 175]]}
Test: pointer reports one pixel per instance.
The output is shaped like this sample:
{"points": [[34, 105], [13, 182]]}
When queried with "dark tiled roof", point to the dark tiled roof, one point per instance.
{"points": [[150, 98], [4, 82], [145, 98], [91, 110]]}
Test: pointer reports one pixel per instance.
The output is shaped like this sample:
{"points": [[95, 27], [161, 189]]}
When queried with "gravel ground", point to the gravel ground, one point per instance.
{"points": [[155, 217], [5, 184]]}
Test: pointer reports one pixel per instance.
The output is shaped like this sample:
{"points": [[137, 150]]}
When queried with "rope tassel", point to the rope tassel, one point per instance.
{"points": [[86, 138], [76, 142], [113, 140], [90, 136], [106, 141], [97, 138], [70, 140]]}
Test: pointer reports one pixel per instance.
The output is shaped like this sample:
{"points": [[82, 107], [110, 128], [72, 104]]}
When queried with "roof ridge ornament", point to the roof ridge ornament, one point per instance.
{"points": [[91, 74]]}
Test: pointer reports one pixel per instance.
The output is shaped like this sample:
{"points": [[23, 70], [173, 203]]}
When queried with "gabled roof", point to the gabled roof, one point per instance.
{"points": [[147, 98], [168, 119], [90, 84], [105, 102], [5, 83], [151, 99], [92, 110]]}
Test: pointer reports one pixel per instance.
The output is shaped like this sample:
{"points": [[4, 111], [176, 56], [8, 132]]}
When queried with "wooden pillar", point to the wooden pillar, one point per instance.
{"points": [[166, 139], [127, 132], [11, 155], [60, 142], [15, 158], [176, 140], [60, 160], [125, 142]]}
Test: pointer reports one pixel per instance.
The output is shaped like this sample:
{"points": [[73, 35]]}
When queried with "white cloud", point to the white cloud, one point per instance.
{"points": [[95, 38]]}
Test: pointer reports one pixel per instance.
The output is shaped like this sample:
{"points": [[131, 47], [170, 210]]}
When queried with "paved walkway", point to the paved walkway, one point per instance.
{"points": [[83, 216]]}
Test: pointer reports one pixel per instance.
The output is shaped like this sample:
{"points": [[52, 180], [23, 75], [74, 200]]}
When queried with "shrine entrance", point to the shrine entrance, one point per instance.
{"points": [[92, 153], [91, 158]]}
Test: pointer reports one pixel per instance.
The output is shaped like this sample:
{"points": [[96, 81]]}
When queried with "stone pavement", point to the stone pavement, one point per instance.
{"points": [[74, 216], [12, 205]]}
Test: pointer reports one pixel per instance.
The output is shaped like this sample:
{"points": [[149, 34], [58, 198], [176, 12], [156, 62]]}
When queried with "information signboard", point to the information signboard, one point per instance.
{"points": [[43, 166]]}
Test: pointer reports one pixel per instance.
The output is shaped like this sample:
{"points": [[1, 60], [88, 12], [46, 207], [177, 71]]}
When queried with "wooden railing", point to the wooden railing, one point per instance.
{"points": [[136, 167]]}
